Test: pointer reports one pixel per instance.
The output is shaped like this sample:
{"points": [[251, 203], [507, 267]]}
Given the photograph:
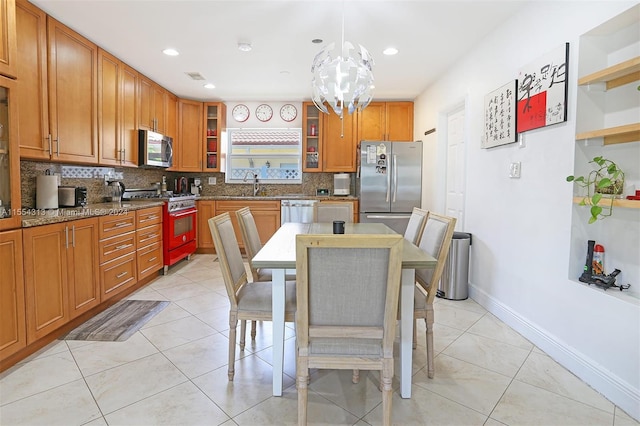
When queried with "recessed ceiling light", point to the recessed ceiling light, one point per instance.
{"points": [[316, 41], [245, 47], [171, 52], [390, 51], [209, 86], [285, 72]]}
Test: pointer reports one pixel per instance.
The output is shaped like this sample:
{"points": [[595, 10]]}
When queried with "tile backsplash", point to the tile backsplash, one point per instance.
{"points": [[92, 178]]}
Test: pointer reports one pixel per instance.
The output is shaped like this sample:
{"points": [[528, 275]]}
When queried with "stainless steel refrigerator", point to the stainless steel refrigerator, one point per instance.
{"points": [[390, 182]]}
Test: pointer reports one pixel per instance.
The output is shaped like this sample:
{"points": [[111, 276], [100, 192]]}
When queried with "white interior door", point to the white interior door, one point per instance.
{"points": [[456, 153]]}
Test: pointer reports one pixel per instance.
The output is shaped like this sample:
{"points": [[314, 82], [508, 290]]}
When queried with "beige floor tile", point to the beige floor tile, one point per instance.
{"points": [[201, 356], [215, 284], [426, 408], [121, 386], [66, 405], [215, 318], [55, 347], [204, 302], [200, 274], [466, 304], [542, 371], [455, 317], [523, 404], [289, 356], [251, 385], [284, 411], [493, 422], [491, 327], [183, 404], [357, 398], [146, 293], [488, 353], [99, 356], [169, 281], [37, 376], [97, 422], [472, 386], [178, 332], [183, 291], [170, 313]]}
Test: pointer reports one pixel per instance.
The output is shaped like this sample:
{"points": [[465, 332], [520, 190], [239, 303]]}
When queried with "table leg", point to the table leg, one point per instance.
{"points": [[278, 301], [406, 331]]}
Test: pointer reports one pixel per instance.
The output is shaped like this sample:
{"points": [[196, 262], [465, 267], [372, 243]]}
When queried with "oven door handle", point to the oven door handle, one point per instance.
{"points": [[183, 213]]}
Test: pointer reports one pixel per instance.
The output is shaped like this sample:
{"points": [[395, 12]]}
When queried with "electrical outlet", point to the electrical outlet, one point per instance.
{"points": [[514, 170], [212, 181]]}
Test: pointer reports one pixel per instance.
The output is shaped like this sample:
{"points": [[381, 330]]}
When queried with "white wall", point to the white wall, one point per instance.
{"points": [[521, 227]]}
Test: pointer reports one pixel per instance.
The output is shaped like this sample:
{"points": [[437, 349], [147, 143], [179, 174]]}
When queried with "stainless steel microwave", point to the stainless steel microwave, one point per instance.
{"points": [[156, 150]]}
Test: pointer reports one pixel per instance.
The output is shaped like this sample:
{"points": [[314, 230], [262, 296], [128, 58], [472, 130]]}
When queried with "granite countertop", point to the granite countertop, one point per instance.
{"points": [[35, 217], [278, 197]]}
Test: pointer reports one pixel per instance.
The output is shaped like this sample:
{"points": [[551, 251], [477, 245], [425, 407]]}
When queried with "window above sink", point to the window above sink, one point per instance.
{"points": [[272, 154]]}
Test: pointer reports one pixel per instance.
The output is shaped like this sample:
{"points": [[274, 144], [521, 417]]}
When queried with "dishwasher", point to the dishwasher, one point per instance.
{"points": [[300, 211]]}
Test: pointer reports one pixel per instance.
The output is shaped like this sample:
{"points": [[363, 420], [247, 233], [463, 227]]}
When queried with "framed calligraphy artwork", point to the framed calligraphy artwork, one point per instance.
{"points": [[542, 90], [500, 116]]}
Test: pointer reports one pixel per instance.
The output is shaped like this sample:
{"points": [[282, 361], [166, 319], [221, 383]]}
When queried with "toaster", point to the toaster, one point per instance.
{"points": [[72, 196]]}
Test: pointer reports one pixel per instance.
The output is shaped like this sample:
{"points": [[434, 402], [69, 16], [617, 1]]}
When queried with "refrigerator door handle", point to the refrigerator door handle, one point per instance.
{"points": [[388, 216], [388, 185], [395, 177]]}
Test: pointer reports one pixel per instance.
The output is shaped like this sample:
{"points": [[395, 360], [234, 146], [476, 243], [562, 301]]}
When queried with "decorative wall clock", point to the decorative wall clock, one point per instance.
{"points": [[240, 113], [264, 112], [288, 112]]}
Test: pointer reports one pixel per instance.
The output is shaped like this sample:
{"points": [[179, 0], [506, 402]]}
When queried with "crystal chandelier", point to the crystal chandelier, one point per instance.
{"points": [[342, 78]]}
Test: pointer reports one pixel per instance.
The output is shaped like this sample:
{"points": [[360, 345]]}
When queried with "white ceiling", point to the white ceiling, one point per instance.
{"points": [[430, 37]]}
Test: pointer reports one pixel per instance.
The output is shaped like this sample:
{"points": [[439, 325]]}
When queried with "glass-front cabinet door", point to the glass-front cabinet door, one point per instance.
{"points": [[214, 128], [9, 157], [312, 141]]}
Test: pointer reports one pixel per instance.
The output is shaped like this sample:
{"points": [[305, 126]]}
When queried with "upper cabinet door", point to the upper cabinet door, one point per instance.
{"points": [[108, 100], [128, 86], [8, 46], [33, 103], [72, 101], [190, 136], [371, 122], [339, 142], [399, 121]]}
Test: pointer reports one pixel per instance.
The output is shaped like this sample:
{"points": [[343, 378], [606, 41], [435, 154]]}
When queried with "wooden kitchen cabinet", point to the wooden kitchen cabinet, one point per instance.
{"points": [[117, 111], [153, 100], [148, 241], [73, 98], [339, 142], [206, 210], [8, 44], [118, 264], [13, 334], [386, 121], [9, 156], [265, 213], [214, 125], [33, 101], [354, 206], [312, 148], [189, 145], [171, 128], [82, 266]]}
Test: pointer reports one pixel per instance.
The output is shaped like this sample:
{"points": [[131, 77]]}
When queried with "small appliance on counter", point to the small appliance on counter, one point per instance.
{"points": [[115, 191], [341, 184], [47, 191], [72, 196]]}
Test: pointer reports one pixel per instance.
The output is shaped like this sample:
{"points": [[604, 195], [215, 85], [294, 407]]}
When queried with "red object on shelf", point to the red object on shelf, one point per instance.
{"points": [[313, 130], [634, 197]]}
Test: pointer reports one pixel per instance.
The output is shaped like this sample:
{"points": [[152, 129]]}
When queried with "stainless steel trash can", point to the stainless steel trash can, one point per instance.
{"points": [[454, 282]]}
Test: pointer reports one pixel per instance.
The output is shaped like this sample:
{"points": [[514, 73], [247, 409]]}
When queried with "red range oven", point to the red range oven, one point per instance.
{"points": [[179, 229], [178, 222]]}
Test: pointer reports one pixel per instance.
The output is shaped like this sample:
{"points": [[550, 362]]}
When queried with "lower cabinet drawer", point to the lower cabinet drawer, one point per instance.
{"points": [[148, 235], [149, 260], [117, 275], [115, 247]]}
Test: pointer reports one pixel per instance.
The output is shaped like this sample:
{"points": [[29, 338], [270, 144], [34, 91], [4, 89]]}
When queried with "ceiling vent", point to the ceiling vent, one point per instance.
{"points": [[195, 75]]}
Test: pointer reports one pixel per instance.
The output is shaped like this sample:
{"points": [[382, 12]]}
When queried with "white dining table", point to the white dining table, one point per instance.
{"points": [[279, 254]]}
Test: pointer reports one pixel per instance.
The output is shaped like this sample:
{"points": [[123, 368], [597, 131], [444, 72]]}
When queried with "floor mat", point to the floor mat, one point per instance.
{"points": [[119, 322]]}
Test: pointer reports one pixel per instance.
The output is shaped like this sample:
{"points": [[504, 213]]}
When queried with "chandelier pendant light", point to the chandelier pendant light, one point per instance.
{"points": [[342, 77]]}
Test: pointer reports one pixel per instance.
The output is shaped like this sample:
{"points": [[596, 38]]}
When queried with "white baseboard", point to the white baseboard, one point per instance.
{"points": [[615, 389]]}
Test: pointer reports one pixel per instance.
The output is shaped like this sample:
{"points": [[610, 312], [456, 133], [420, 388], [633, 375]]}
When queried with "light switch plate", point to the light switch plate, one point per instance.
{"points": [[211, 181], [514, 170]]}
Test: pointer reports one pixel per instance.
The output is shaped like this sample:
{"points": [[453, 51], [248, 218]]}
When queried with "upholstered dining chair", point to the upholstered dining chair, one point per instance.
{"points": [[328, 211], [249, 301], [415, 225], [347, 297], [435, 240]]}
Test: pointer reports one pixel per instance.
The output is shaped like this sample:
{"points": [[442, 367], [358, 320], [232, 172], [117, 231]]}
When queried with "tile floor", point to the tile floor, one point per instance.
{"points": [[174, 372]]}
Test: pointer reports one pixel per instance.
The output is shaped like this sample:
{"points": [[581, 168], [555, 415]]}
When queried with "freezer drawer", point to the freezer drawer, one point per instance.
{"points": [[396, 221]]}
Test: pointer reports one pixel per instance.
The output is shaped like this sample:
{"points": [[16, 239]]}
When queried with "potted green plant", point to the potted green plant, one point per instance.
{"points": [[608, 180]]}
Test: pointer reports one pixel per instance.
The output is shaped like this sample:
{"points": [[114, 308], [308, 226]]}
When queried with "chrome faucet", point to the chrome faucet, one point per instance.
{"points": [[256, 185]]}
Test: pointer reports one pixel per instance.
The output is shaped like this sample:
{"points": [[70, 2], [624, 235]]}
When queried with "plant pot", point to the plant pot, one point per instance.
{"points": [[615, 188]]}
